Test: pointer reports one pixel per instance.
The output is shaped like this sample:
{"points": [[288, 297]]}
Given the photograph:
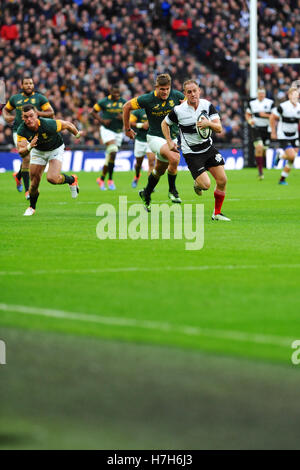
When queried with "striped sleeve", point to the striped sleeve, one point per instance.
{"points": [[134, 103], [212, 112], [45, 106], [9, 106], [171, 118]]}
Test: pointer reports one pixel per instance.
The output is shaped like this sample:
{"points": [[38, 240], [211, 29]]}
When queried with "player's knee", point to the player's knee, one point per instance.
{"points": [[221, 181], [202, 184]]}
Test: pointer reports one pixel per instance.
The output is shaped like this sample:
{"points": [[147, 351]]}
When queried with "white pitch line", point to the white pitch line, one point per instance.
{"points": [[150, 325], [134, 269]]}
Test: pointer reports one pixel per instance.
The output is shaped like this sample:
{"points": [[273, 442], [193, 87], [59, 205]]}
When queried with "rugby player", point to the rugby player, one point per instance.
{"points": [[41, 137], [157, 104], [284, 123], [138, 120], [200, 154], [108, 112], [257, 115], [44, 109]]}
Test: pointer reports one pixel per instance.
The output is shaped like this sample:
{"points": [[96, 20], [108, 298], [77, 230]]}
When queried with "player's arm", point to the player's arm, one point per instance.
{"points": [[165, 127], [214, 124], [139, 125], [46, 111], [273, 124], [7, 113], [127, 108], [249, 117], [69, 126], [95, 113], [24, 146]]}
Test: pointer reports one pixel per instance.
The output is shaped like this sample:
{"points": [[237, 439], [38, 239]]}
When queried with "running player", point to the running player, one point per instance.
{"points": [[16, 102], [157, 104], [257, 115], [108, 112], [284, 123], [42, 139], [200, 154], [138, 120]]}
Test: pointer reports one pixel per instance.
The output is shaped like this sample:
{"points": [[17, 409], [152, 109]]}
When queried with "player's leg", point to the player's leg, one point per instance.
{"points": [[54, 176], [137, 168], [290, 154], [18, 175], [173, 158], [153, 179], [218, 172], [25, 174], [259, 156], [151, 161], [36, 172]]}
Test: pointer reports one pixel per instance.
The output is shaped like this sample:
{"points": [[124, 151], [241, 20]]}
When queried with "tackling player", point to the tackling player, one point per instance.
{"points": [[110, 118], [138, 120], [42, 139], [157, 104], [16, 102], [200, 154]]}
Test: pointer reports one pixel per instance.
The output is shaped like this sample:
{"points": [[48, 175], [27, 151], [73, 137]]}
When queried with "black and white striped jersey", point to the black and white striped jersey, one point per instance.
{"points": [[289, 116], [186, 116], [256, 106]]}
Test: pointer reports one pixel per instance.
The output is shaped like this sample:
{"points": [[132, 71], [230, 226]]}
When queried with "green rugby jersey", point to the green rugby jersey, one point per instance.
{"points": [[20, 99], [109, 110], [49, 137], [139, 115], [157, 109]]}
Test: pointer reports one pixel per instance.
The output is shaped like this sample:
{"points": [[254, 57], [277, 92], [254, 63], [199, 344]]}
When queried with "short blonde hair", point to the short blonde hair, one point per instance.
{"points": [[189, 82], [292, 89]]}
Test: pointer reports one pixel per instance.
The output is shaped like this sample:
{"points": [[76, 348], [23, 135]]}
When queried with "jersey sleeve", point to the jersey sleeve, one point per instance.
{"points": [[10, 104], [212, 112], [97, 107], [141, 101], [44, 103], [171, 118], [277, 111], [21, 134], [133, 117], [58, 125]]}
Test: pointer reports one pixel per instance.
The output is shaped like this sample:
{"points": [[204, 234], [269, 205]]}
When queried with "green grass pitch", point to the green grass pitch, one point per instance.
{"points": [[141, 343]]}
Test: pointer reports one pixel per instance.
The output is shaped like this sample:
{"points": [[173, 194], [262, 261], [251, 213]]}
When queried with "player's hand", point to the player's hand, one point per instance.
{"points": [[130, 133], [172, 146], [146, 125], [33, 143], [203, 123], [80, 134], [273, 136]]}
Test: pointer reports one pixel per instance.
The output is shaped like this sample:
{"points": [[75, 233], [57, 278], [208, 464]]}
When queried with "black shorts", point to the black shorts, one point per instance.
{"points": [[200, 162], [261, 134], [294, 143]]}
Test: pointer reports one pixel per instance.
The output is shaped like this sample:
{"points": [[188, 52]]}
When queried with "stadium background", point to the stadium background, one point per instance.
{"points": [[70, 384]]}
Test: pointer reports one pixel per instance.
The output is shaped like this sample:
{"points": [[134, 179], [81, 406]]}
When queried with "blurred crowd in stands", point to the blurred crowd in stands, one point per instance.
{"points": [[76, 49]]}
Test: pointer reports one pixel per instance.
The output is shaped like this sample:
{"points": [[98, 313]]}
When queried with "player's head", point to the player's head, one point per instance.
{"points": [[293, 95], [191, 91], [27, 85], [261, 94], [115, 92], [163, 85], [29, 115]]}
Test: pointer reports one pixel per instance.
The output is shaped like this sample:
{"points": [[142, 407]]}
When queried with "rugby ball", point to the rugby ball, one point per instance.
{"points": [[206, 132]]}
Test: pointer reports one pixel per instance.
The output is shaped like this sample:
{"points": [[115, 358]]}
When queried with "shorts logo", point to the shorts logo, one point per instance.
{"points": [[218, 157]]}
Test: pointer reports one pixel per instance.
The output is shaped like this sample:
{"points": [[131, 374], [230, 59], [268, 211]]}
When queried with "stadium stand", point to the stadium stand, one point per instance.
{"points": [[77, 49]]}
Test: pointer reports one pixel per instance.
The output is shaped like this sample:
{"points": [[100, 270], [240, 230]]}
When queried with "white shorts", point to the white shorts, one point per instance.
{"points": [[107, 135], [42, 157], [15, 138], [141, 148], [155, 144]]}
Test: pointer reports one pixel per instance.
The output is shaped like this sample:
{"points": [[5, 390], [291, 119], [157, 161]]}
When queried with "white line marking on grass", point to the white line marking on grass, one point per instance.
{"points": [[128, 269], [149, 325]]}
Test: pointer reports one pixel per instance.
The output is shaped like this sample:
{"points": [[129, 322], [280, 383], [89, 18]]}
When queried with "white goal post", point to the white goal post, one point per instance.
{"points": [[254, 60]]}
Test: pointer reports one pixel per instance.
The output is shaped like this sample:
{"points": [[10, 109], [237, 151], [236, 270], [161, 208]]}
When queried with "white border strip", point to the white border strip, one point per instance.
{"points": [[150, 325], [221, 267]]}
